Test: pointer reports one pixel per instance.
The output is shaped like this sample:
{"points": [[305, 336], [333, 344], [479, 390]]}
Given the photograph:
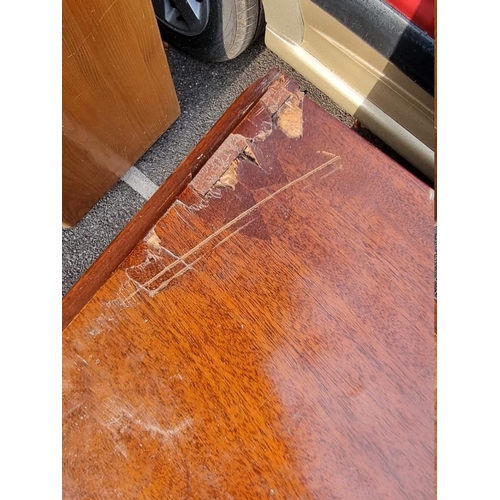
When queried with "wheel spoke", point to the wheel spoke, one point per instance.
{"points": [[188, 17], [159, 7], [190, 10]]}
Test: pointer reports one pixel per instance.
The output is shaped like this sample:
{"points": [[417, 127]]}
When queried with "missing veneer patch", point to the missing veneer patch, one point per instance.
{"points": [[289, 117]]}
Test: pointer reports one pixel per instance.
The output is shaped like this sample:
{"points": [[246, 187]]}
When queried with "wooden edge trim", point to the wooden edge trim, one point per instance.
{"points": [[116, 252]]}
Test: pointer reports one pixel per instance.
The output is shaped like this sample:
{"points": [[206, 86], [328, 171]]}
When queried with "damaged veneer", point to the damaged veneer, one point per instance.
{"points": [[281, 107], [220, 172], [156, 272], [284, 108]]}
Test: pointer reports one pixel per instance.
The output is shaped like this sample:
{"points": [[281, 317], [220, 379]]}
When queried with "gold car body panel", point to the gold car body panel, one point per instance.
{"points": [[355, 76]]}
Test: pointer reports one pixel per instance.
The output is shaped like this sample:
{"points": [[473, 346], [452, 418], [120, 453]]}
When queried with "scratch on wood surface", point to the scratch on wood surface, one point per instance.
{"points": [[225, 227], [119, 417], [431, 194], [179, 214], [107, 319], [153, 428], [91, 34], [331, 171], [78, 356], [234, 233], [121, 449], [259, 112], [73, 408], [153, 242], [182, 271]]}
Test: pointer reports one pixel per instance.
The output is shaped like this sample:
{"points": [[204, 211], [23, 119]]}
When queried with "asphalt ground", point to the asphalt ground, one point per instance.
{"points": [[205, 91]]}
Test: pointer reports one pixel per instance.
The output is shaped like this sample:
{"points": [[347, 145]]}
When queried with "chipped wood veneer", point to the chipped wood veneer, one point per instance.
{"points": [[271, 336]]}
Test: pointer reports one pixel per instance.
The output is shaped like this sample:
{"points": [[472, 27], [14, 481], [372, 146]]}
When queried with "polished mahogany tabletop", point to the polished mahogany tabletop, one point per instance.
{"points": [[272, 335]]}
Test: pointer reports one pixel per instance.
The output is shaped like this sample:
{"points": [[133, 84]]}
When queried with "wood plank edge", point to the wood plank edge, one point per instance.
{"points": [[173, 115], [116, 252]]}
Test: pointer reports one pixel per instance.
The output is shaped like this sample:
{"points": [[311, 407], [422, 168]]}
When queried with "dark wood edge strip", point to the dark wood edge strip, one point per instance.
{"points": [[99, 272]]}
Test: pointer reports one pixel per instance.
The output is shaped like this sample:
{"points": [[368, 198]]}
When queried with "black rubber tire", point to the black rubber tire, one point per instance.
{"points": [[233, 25]]}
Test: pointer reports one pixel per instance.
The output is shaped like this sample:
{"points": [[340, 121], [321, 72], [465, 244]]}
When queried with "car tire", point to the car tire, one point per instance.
{"points": [[221, 30]]}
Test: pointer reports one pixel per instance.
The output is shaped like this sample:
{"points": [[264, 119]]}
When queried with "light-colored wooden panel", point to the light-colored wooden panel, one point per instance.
{"points": [[118, 95]]}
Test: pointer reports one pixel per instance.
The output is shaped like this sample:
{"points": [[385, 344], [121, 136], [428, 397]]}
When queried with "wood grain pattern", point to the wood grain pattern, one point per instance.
{"points": [[272, 336], [118, 96], [156, 206]]}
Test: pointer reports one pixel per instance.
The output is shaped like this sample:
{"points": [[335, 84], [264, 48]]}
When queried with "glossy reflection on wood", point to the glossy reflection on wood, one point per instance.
{"points": [[272, 336], [118, 96]]}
